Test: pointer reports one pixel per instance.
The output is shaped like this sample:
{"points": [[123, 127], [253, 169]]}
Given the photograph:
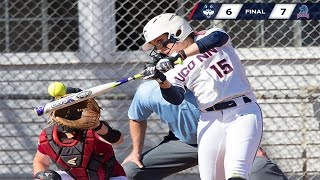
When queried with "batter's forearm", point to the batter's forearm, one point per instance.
{"points": [[212, 40], [174, 94]]}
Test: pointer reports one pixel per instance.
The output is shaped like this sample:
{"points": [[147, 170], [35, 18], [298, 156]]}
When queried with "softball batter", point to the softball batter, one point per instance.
{"points": [[230, 125]]}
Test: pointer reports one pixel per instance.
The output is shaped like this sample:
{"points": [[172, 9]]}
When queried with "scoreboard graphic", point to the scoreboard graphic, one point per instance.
{"points": [[255, 11]]}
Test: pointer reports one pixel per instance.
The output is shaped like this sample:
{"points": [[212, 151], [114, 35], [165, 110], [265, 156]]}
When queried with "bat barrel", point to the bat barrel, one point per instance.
{"points": [[81, 96]]}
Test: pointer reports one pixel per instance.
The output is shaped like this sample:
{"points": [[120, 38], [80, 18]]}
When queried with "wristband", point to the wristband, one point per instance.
{"points": [[161, 78], [99, 127], [112, 136], [182, 54]]}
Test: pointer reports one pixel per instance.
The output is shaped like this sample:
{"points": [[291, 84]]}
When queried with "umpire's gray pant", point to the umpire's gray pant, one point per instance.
{"points": [[169, 157]]}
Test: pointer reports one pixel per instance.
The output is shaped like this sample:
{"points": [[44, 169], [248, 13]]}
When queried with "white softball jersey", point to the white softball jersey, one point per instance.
{"points": [[213, 76]]}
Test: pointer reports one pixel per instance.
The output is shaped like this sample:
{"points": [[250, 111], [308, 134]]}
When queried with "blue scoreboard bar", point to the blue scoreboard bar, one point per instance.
{"points": [[255, 11]]}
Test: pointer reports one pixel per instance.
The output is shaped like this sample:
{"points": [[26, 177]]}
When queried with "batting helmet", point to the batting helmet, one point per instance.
{"points": [[176, 26]]}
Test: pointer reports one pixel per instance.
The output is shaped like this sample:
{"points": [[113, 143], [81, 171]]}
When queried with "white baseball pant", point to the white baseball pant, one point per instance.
{"points": [[228, 140]]}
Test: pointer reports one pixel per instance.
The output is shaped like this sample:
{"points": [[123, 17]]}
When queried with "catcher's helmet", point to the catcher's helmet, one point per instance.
{"points": [[176, 27]]}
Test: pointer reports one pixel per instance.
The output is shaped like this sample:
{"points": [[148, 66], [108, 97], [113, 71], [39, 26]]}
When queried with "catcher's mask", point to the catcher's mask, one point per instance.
{"points": [[82, 115]]}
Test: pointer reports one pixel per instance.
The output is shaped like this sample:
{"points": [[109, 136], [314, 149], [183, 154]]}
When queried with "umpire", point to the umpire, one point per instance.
{"points": [[178, 150]]}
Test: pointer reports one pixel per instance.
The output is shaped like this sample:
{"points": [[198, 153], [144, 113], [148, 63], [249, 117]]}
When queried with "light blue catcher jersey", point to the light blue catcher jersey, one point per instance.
{"points": [[182, 119]]}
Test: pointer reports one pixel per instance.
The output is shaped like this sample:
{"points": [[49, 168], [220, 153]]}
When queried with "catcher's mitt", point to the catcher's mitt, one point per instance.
{"points": [[83, 115]]}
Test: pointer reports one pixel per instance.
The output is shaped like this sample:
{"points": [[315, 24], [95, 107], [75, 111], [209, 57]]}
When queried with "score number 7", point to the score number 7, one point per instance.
{"points": [[222, 69]]}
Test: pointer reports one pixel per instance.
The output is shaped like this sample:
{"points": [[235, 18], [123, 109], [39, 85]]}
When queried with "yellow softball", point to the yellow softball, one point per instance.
{"points": [[57, 89]]}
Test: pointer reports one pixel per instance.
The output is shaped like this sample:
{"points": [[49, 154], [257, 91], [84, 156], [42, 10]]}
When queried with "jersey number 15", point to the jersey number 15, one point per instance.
{"points": [[222, 68]]}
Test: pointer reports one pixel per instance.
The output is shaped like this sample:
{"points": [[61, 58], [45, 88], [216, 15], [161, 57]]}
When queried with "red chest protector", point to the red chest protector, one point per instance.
{"points": [[85, 158]]}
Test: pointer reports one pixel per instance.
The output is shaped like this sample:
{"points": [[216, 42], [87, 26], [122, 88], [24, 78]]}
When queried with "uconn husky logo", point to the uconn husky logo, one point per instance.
{"points": [[208, 10]]}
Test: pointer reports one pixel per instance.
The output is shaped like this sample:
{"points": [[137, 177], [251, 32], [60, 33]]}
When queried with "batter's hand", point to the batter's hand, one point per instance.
{"points": [[135, 158], [152, 73], [165, 64]]}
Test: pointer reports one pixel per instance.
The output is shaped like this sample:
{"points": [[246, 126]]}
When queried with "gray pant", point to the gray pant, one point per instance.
{"points": [[169, 157], [265, 169], [172, 156]]}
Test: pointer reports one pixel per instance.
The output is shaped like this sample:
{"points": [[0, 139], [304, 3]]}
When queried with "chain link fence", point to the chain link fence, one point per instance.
{"points": [[85, 43]]}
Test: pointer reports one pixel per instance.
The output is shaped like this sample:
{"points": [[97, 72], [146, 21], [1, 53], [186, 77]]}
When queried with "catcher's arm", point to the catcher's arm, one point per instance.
{"points": [[41, 162], [107, 134]]}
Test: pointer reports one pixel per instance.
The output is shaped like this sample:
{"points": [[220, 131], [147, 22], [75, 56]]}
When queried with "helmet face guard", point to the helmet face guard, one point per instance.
{"points": [[155, 51], [156, 55]]}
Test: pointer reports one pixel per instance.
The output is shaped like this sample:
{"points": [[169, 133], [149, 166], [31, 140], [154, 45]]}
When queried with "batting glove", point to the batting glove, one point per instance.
{"points": [[164, 65], [152, 73], [169, 62]]}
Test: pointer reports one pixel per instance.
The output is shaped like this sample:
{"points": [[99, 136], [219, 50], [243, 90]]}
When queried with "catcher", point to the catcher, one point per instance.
{"points": [[79, 144]]}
